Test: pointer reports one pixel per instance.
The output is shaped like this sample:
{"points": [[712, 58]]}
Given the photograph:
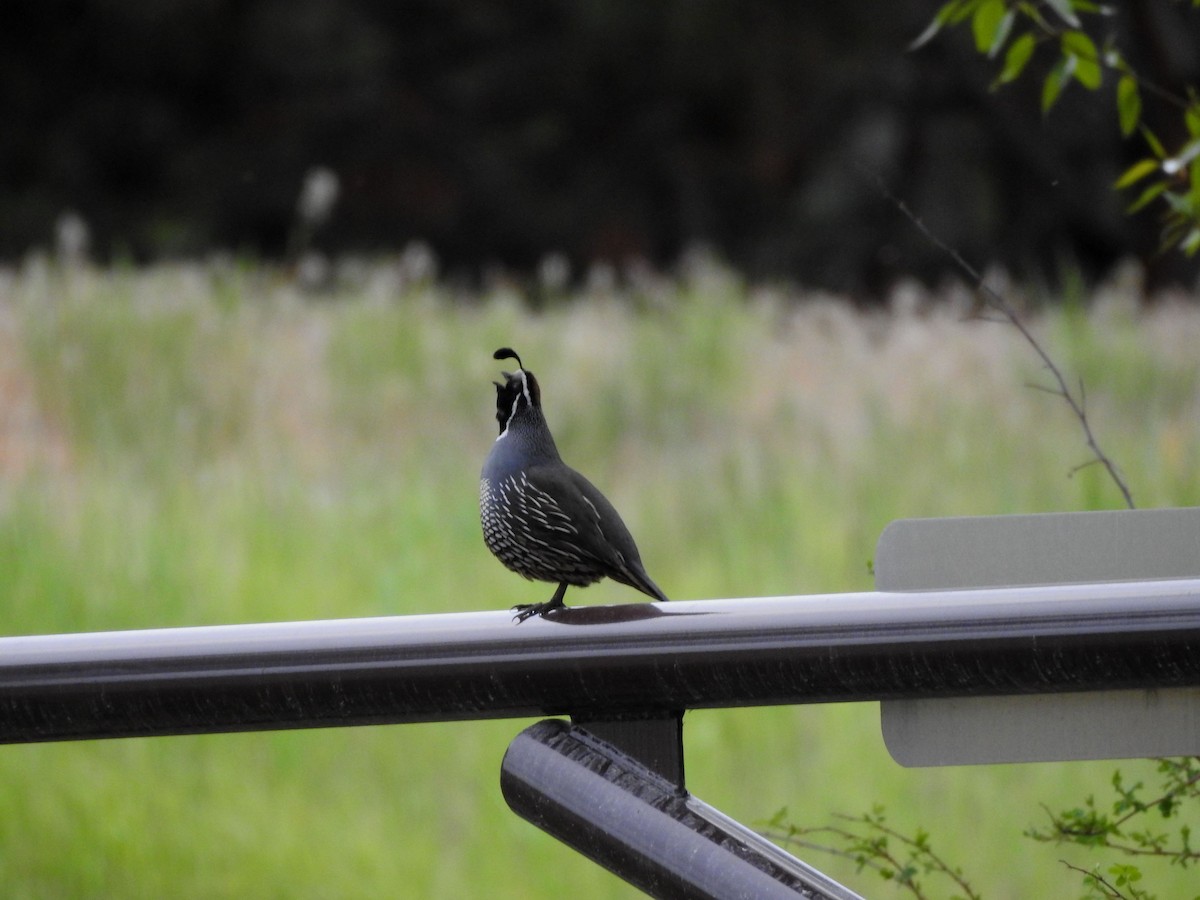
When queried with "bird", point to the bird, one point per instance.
{"points": [[540, 517]]}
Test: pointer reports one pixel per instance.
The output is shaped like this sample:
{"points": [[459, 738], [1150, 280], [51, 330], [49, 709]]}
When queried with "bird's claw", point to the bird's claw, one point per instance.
{"points": [[529, 610]]}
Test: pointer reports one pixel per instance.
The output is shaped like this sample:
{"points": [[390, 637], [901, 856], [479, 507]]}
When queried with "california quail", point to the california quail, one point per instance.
{"points": [[540, 517]]}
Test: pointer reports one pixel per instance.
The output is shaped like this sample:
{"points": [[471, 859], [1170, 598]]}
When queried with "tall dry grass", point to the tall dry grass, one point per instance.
{"points": [[196, 444]]}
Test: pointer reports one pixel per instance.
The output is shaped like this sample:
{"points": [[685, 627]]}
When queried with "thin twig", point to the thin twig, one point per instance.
{"points": [[939, 863], [881, 862], [881, 859], [1169, 795], [1033, 386], [1099, 879], [997, 302], [1083, 465], [1053, 32], [1102, 836], [1138, 809]]}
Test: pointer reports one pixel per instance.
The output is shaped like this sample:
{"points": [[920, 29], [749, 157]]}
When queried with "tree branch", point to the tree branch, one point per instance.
{"points": [[1113, 893], [995, 301]]}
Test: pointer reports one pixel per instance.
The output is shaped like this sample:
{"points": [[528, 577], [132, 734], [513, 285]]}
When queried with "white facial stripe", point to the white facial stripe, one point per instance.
{"points": [[524, 387], [513, 412]]}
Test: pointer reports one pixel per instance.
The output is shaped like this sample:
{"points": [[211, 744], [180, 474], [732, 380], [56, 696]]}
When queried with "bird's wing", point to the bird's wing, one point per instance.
{"points": [[600, 533]]}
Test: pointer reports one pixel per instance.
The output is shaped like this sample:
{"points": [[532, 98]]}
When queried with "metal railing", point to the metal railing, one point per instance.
{"points": [[624, 675], [600, 661]]}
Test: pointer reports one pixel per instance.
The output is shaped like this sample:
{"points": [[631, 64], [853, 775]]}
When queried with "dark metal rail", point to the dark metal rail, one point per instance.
{"points": [[601, 662], [595, 798]]}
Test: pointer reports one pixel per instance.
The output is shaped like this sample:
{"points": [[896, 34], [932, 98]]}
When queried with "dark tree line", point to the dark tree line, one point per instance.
{"points": [[603, 129]]}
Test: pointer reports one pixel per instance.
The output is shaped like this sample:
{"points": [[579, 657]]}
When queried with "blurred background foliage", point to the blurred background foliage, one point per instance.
{"points": [[208, 440], [206, 443], [605, 130]]}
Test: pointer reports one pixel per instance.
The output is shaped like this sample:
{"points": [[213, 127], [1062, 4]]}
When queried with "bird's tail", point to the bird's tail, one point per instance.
{"points": [[635, 576]]}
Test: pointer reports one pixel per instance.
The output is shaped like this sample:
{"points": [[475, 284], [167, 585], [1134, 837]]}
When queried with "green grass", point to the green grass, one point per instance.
{"points": [[197, 445]]}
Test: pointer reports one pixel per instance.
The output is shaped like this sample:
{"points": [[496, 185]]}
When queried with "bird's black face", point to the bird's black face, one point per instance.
{"points": [[520, 391]]}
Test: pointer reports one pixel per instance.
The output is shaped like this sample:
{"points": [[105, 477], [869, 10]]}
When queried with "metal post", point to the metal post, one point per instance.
{"points": [[654, 740], [624, 816]]}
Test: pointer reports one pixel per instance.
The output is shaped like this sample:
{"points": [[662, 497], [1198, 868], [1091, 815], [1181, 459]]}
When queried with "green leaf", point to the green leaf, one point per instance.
{"points": [[1065, 12], [966, 9], [1116, 61], [942, 17], [1180, 204], [1079, 46], [1088, 73], [1015, 60], [1136, 172], [1079, 43], [1002, 33], [1055, 81], [985, 24], [1192, 117], [1125, 874], [1172, 234], [1156, 146], [1129, 104], [1147, 196], [930, 32]]}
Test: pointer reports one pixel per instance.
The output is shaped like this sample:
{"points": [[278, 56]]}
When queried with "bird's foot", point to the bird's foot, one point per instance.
{"points": [[529, 610]]}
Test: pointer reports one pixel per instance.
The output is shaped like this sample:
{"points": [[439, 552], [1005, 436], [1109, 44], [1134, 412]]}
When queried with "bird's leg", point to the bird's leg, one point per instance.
{"points": [[526, 610]]}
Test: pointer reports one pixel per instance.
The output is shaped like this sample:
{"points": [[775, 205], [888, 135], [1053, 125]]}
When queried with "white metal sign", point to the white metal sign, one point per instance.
{"points": [[1057, 548]]}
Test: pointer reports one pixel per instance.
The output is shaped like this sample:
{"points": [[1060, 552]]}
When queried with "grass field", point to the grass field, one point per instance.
{"points": [[202, 444]]}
